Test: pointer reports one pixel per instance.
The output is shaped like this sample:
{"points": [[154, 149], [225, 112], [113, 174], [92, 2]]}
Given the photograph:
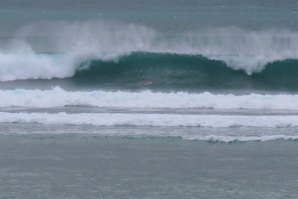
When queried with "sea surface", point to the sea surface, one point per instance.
{"points": [[148, 99]]}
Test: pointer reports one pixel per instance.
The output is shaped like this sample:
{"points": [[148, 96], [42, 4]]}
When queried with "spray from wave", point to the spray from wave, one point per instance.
{"points": [[47, 50]]}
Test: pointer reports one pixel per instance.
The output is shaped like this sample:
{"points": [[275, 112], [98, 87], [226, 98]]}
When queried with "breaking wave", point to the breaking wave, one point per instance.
{"points": [[110, 51]]}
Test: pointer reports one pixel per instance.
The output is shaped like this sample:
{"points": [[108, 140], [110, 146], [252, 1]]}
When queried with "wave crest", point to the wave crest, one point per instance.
{"points": [[78, 42]]}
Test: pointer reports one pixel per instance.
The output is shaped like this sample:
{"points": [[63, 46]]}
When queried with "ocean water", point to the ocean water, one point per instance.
{"points": [[148, 99]]}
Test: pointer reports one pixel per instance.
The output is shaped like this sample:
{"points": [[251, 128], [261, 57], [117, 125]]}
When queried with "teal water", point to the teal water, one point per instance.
{"points": [[185, 73]]}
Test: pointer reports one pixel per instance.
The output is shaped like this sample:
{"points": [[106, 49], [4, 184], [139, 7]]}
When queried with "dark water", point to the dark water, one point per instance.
{"points": [[188, 72]]}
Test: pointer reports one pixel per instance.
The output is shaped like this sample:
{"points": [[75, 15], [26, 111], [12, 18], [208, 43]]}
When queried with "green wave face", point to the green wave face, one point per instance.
{"points": [[185, 71]]}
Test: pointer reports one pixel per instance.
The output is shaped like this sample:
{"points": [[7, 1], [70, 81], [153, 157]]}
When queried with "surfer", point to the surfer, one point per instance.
{"points": [[147, 82]]}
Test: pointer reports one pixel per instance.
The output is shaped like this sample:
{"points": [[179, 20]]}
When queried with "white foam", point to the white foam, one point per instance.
{"points": [[227, 139], [160, 120], [196, 134], [58, 97], [73, 43], [81, 41], [20, 66]]}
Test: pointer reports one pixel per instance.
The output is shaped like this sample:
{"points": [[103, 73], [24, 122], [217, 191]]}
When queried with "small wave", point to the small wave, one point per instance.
{"points": [[231, 139]]}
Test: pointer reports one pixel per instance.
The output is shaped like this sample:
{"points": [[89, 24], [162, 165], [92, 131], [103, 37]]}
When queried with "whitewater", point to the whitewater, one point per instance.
{"points": [[58, 97], [202, 116]]}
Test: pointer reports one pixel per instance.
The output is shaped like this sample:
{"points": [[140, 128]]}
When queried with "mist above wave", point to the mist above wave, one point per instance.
{"points": [[72, 43]]}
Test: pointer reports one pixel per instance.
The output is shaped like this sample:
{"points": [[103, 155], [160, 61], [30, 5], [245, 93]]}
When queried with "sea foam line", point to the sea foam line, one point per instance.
{"points": [[237, 138], [160, 120], [58, 97]]}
